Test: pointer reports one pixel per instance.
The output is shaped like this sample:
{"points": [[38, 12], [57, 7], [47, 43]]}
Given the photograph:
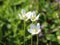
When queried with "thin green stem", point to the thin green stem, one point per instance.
{"points": [[24, 32], [31, 39], [47, 44], [37, 39], [50, 42]]}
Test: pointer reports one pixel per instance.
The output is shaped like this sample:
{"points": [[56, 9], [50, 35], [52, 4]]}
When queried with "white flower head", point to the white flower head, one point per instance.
{"points": [[34, 17], [24, 16], [34, 29]]}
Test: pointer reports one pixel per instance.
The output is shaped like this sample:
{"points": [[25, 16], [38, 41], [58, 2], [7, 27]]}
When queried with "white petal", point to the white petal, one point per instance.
{"points": [[34, 13], [28, 14], [38, 31], [30, 31], [32, 26], [37, 17], [20, 17], [38, 25], [33, 33], [23, 12]]}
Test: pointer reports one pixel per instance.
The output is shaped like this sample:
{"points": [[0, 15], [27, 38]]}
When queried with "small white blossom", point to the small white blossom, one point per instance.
{"points": [[34, 17], [34, 29], [24, 16]]}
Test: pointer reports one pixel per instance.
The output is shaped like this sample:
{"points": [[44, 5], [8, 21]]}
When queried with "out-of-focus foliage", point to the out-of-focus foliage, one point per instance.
{"points": [[11, 27]]}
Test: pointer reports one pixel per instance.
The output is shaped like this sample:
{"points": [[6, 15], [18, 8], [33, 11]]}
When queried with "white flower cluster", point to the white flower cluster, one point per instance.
{"points": [[34, 28], [29, 15]]}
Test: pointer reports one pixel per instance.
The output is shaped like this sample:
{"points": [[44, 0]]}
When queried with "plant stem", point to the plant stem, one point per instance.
{"points": [[31, 39], [50, 42], [24, 32], [37, 39], [47, 44]]}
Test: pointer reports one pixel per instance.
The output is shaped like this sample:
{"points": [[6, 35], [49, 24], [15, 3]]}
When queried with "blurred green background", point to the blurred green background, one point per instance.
{"points": [[11, 27]]}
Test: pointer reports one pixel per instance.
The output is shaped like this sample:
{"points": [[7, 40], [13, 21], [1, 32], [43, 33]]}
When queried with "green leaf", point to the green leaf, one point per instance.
{"points": [[58, 32], [17, 2], [21, 32], [1, 35], [51, 37]]}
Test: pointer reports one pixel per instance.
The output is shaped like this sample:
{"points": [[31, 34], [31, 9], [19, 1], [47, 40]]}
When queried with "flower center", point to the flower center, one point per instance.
{"points": [[24, 16], [33, 17], [35, 30]]}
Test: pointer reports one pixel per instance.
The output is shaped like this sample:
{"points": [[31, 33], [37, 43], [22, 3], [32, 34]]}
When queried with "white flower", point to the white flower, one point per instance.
{"points": [[34, 17], [24, 16], [34, 29]]}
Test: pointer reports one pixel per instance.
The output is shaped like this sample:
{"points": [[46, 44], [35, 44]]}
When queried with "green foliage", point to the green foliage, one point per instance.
{"points": [[11, 27]]}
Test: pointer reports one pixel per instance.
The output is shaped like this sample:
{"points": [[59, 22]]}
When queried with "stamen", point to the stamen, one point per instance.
{"points": [[35, 30], [24, 16], [33, 17]]}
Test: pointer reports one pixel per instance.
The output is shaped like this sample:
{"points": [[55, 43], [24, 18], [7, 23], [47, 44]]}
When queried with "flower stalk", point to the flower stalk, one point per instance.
{"points": [[31, 40], [37, 39], [24, 32]]}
